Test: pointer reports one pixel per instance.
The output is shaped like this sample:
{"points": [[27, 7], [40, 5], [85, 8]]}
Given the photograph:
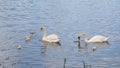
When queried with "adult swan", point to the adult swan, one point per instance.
{"points": [[94, 39], [50, 38]]}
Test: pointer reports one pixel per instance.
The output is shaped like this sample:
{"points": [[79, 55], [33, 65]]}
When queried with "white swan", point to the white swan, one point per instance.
{"points": [[49, 38], [94, 39]]}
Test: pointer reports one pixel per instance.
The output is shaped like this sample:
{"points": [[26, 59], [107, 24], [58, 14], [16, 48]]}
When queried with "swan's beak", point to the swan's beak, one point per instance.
{"points": [[41, 28], [78, 38]]}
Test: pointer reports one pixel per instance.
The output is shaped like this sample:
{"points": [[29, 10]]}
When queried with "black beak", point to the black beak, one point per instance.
{"points": [[78, 37], [41, 28]]}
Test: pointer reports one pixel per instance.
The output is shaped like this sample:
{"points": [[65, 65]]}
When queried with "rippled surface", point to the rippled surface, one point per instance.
{"points": [[66, 18]]}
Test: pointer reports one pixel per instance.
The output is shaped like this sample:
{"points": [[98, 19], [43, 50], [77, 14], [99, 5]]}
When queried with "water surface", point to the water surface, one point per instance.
{"points": [[66, 18]]}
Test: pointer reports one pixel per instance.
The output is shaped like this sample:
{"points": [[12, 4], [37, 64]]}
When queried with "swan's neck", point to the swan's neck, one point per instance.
{"points": [[44, 34], [86, 37]]}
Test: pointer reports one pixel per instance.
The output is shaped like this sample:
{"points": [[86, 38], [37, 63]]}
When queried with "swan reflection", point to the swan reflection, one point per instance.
{"points": [[91, 46], [49, 45], [82, 46], [96, 46]]}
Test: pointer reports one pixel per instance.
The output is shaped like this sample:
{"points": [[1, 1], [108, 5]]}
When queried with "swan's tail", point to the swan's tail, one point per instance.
{"points": [[106, 39]]}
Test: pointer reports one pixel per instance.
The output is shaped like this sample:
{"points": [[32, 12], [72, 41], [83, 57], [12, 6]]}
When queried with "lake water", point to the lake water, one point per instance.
{"points": [[66, 18]]}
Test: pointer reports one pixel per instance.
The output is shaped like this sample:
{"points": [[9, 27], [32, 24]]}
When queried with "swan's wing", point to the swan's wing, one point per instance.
{"points": [[103, 38], [52, 38], [98, 38]]}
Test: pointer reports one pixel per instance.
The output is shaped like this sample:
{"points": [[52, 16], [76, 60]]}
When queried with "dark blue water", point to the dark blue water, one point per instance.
{"points": [[66, 18]]}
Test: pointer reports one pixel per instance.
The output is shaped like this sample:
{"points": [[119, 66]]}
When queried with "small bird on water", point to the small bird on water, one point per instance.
{"points": [[19, 47], [32, 33], [94, 48], [27, 38]]}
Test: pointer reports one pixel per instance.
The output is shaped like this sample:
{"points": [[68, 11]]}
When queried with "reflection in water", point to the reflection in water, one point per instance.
{"points": [[6, 60], [80, 47], [98, 45], [84, 46], [66, 18], [49, 45], [64, 62]]}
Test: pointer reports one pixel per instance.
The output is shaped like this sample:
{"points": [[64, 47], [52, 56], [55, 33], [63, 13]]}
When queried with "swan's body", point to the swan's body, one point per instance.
{"points": [[49, 38], [95, 39]]}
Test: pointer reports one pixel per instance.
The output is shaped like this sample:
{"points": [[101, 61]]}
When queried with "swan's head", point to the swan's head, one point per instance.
{"points": [[83, 34], [79, 36], [43, 28]]}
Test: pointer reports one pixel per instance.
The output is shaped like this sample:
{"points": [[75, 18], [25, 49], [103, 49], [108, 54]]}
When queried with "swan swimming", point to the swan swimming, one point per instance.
{"points": [[49, 38], [94, 39]]}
